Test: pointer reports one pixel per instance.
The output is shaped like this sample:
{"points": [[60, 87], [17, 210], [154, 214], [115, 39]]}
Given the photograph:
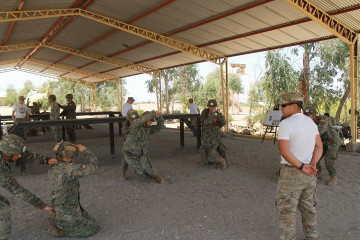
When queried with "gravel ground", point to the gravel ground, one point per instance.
{"points": [[195, 202]]}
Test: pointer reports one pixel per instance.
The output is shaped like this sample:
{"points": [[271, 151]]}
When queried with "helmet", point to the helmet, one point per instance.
{"points": [[131, 115], [212, 103], [69, 95], [147, 113], [66, 149], [310, 110], [52, 98], [12, 144]]}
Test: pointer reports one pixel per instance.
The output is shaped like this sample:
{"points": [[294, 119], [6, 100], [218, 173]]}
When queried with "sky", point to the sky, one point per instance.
{"points": [[255, 68]]}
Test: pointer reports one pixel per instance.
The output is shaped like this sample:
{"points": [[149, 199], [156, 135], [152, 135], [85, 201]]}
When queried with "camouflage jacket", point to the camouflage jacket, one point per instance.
{"points": [[64, 180], [55, 111], [329, 136], [69, 110], [210, 136], [125, 129], [138, 136], [8, 181]]}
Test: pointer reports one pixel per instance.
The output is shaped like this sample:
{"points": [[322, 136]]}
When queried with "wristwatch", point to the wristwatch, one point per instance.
{"points": [[302, 166]]}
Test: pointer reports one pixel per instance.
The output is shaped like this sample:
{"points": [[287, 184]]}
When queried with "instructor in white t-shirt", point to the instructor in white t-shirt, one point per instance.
{"points": [[300, 148], [194, 109], [127, 106], [20, 110]]}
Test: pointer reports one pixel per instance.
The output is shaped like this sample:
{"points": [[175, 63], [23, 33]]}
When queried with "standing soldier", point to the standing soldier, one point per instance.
{"points": [[211, 146], [137, 142], [20, 113], [130, 117], [331, 142], [55, 115], [69, 113], [12, 148], [70, 218]]}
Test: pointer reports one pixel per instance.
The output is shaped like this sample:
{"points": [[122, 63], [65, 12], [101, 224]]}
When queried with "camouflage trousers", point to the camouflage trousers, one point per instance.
{"points": [[56, 130], [24, 131], [212, 154], [296, 190], [140, 164], [330, 154], [5, 220], [75, 224], [71, 132]]}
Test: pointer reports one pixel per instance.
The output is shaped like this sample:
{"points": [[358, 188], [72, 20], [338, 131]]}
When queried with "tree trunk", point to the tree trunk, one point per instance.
{"points": [[342, 101], [166, 83], [305, 80], [183, 87]]}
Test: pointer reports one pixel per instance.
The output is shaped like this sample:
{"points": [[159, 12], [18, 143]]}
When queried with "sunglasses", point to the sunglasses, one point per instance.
{"points": [[285, 105]]}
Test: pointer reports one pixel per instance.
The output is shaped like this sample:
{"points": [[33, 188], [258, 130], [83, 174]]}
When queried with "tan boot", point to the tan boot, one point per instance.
{"points": [[123, 174], [332, 180], [222, 163], [159, 179], [319, 175]]}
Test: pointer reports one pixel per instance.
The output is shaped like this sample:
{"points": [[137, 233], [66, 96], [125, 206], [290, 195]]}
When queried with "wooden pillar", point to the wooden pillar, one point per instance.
{"points": [[353, 88]]}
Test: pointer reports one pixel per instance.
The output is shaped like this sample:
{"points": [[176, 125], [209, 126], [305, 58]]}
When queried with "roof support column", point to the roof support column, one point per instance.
{"points": [[156, 75], [119, 93], [225, 91], [353, 88], [93, 90]]}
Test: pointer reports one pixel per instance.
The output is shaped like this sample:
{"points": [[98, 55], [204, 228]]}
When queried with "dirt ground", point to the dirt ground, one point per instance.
{"points": [[195, 202]]}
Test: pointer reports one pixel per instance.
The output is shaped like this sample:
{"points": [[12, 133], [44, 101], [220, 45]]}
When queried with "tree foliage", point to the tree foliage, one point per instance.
{"points": [[11, 96]]}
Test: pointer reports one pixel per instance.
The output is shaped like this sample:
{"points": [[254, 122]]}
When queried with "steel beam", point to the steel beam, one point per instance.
{"points": [[330, 23], [137, 31]]}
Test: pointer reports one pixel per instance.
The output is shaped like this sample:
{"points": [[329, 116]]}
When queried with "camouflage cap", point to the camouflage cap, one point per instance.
{"points": [[212, 103], [52, 98], [293, 97], [310, 110], [12, 144], [21, 98], [131, 115], [66, 149]]}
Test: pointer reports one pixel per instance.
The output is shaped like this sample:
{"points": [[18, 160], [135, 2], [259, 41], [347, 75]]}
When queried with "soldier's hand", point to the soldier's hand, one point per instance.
{"points": [[157, 114], [49, 208], [309, 169], [52, 161], [212, 109], [80, 147]]}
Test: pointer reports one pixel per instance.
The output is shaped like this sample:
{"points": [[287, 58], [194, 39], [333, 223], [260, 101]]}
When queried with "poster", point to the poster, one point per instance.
{"points": [[272, 118]]}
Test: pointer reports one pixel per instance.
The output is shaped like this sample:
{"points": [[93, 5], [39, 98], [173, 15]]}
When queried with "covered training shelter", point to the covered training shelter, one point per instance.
{"points": [[91, 41]]}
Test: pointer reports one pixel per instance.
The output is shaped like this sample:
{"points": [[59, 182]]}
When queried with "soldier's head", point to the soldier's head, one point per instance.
{"points": [[132, 115], [69, 97], [290, 103], [212, 104], [191, 100], [311, 112], [21, 99], [149, 122], [11, 147], [65, 151], [130, 100], [52, 99]]}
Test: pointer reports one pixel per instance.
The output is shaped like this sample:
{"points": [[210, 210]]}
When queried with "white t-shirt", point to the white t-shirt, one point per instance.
{"points": [[301, 131], [20, 110], [126, 107], [193, 108]]}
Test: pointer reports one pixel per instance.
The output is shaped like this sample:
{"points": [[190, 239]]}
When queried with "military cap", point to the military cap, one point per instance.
{"points": [[310, 110], [21, 98], [12, 144], [191, 99], [131, 98], [212, 103], [131, 115], [66, 149], [146, 113], [52, 98], [293, 97], [69, 95]]}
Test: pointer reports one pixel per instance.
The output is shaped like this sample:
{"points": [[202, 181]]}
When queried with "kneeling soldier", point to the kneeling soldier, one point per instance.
{"points": [[70, 218]]}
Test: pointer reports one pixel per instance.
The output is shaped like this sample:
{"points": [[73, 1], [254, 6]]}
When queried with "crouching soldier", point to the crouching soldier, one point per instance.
{"points": [[70, 218], [137, 143], [212, 149], [12, 148]]}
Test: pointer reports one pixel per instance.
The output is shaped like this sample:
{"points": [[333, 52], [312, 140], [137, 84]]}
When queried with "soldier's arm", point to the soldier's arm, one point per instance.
{"points": [[143, 119], [159, 126], [206, 119], [9, 182], [57, 111], [221, 120], [34, 158], [89, 167], [322, 126], [125, 129], [70, 107]]}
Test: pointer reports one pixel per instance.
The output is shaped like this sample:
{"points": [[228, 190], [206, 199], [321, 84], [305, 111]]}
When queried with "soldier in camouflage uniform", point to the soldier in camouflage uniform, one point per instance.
{"points": [[130, 116], [12, 148], [70, 218], [211, 146], [137, 142], [55, 115], [69, 113], [331, 142]]}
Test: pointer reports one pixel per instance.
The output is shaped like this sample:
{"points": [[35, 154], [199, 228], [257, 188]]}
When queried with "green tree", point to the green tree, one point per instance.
{"points": [[235, 87], [28, 86], [11, 95]]}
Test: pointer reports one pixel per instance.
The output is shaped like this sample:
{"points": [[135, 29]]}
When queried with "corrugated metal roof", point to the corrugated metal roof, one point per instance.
{"points": [[227, 27]]}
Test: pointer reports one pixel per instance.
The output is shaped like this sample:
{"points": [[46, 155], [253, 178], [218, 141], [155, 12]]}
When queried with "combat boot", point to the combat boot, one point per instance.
{"points": [[223, 163], [319, 175], [57, 232], [332, 180], [159, 179], [123, 174]]}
